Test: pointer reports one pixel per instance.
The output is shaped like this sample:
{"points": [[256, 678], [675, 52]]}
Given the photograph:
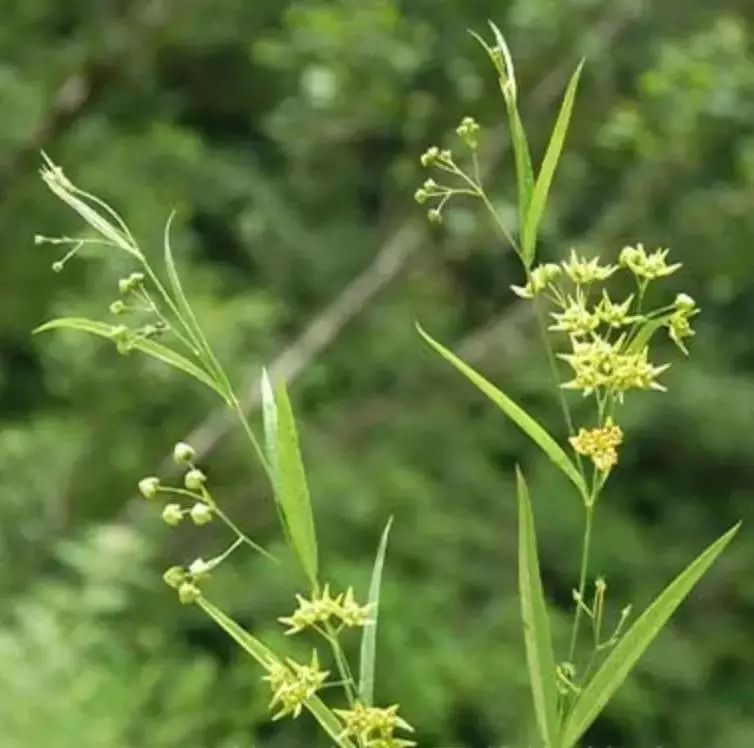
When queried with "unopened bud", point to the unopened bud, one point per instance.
{"points": [[183, 453], [430, 156], [174, 577], [199, 568], [188, 593], [684, 303], [57, 266], [148, 487], [434, 215], [194, 480], [172, 514], [117, 307], [421, 196], [201, 513]]}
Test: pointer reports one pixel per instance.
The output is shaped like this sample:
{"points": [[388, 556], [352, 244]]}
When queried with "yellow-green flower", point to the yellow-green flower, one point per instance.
{"points": [[371, 724], [293, 685], [312, 612], [539, 279], [599, 444], [575, 319], [582, 271], [613, 314], [644, 266]]}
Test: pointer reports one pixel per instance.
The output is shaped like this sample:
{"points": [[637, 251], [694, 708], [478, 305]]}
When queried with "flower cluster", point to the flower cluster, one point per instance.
{"points": [[599, 444], [293, 684], [644, 266], [322, 608], [374, 727]]}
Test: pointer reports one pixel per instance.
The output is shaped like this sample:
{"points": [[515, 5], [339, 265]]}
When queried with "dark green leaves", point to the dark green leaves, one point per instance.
{"points": [[539, 655], [621, 660], [517, 414]]}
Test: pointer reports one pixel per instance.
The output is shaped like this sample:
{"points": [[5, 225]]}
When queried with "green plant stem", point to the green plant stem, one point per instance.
{"points": [[586, 545], [341, 662]]}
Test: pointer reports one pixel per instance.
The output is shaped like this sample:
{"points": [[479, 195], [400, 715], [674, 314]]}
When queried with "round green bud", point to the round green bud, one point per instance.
{"points": [[188, 593], [57, 266], [429, 184], [117, 307], [430, 156], [39, 239], [434, 215], [124, 286], [201, 513], [183, 453], [194, 480], [684, 303], [148, 487], [172, 514], [174, 577], [421, 196]]}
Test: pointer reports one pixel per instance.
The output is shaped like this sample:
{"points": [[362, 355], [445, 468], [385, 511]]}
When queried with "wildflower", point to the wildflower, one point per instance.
{"points": [[421, 196], [599, 444], [583, 271], [148, 487], [188, 593], [434, 215], [539, 279], [194, 480], [632, 371], [172, 514], [351, 613], [293, 685], [117, 307], [615, 315], [679, 328], [374, 726], [183, 453], [126, 285], [201, 513], [684, 303], [575, 318], [647, 267], [312, 612]]}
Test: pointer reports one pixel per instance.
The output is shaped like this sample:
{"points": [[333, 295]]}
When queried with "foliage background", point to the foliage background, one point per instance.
{"points": [[286, 134]]}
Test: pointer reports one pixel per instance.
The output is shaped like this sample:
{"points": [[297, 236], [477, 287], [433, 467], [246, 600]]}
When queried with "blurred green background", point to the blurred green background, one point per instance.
{"points": [[286, 134]]}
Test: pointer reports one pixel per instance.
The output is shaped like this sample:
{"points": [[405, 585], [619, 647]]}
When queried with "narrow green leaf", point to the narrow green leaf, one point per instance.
{"points": [[149, 347], [547, 171], [635, 641], [517, 414], [292, 488], [646, 331], [539, 653], [369, 637], [266, 658], [179, 295], [521, 153], [270, 419]]}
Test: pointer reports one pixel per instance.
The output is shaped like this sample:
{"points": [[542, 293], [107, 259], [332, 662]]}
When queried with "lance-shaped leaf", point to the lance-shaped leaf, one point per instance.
{"points": [[292, 488], [149, 347], [539, 654], [541, 189], [521, 154], [517, 414], [614, 670], [646, 331], [267, 658], [369, 637]]}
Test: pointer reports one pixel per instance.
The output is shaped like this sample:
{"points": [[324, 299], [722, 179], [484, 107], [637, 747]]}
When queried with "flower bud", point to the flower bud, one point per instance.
{"points": [[421, 196], [124, 286], [117, 307], [684, 303], [119, 333], [172, 514], [174, 577], [148, 487], [201, 513], [434, 215], [194, 480], [188, 593], [57, 266], [183, 453], [430, 156]]}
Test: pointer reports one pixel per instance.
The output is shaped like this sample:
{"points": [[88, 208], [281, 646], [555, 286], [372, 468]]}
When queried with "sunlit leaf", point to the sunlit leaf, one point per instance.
{"points": [[517, 414], [369, 637], [541, 189], [539, 654], [292, 488], [635, 641]]}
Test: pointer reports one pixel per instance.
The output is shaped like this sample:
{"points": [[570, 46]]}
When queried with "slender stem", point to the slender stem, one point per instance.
{"points": [[586, 544], [349, 686]]}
